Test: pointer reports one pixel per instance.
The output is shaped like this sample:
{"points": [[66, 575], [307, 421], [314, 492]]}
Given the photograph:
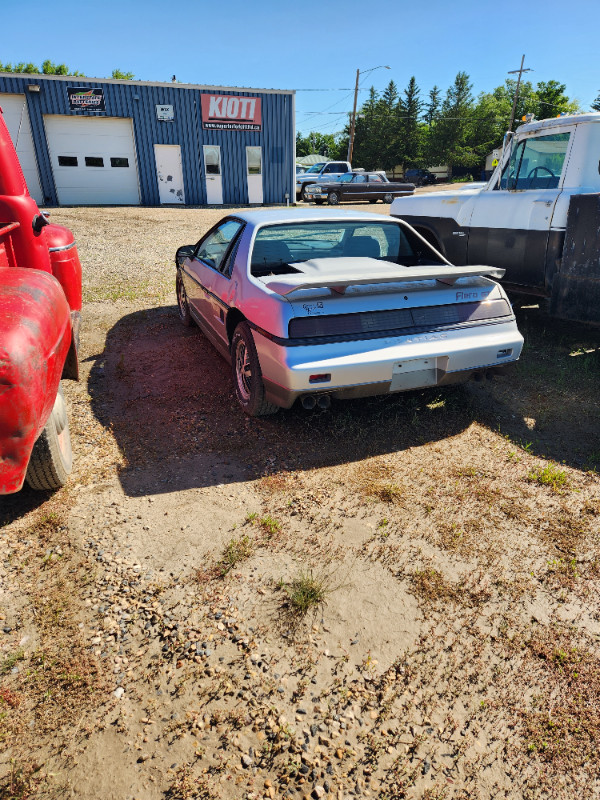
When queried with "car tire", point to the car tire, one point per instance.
{"points": [[387, 198], [52, 457], [182, 302], [333, 199], [247, 375]]}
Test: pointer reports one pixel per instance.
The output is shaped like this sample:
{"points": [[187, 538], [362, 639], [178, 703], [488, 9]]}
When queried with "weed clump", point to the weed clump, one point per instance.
{"points": [[551, 476]]}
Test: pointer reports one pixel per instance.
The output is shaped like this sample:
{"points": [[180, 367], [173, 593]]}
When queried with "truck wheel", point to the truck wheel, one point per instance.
{"points": [[52, 458], [333, 198], [247, 375]]}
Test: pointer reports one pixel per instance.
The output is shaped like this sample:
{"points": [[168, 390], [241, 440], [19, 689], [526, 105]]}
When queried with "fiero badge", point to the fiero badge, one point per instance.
{"points": [[224, 112]]}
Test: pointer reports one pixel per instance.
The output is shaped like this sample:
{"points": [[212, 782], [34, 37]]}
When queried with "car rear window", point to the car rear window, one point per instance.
{"points": [[279, 245]]}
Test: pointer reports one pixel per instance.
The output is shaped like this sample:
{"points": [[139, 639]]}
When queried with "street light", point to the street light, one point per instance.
{"points": [[358, 72]]}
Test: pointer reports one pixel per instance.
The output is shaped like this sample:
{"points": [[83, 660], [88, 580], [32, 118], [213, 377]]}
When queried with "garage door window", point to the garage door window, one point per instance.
{"points": [[67, 161], [94, 161], [119, 162]]}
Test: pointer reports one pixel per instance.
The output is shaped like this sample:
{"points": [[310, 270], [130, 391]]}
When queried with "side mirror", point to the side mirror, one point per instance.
{"points": [[38, 222]]}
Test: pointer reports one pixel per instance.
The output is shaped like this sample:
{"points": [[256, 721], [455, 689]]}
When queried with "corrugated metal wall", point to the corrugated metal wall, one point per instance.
{"points": [[139, 101]]}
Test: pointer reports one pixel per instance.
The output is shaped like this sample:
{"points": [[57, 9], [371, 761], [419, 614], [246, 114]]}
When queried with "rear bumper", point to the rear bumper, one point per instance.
{"points": [[380, 366]]}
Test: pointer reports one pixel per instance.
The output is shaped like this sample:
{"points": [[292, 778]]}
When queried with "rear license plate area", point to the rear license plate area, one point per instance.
{"points": [[414, 373]]}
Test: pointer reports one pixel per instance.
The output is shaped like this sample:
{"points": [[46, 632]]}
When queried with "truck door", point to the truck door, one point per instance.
{"points": [[510, 223]]}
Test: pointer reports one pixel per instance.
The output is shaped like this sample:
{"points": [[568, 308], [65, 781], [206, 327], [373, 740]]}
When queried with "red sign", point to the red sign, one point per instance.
{"points": [[225, 112]]}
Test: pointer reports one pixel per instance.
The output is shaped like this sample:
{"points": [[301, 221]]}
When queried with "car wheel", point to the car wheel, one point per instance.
{"points": [[182, 301], [387, 198], [52, 458], [247, 375], [333, 198]]}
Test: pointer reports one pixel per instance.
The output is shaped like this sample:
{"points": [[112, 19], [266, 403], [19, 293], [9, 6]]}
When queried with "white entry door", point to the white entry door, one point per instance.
{"points": [[14, 107], [169, 173], [212, 171], [254, 172]]}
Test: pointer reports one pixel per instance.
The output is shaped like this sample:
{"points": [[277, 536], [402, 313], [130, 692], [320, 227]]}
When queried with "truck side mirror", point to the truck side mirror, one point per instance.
{"points": [[38, 223]]}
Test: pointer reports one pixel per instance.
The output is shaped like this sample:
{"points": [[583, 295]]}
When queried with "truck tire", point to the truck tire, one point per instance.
{"points": [[52, 458]]}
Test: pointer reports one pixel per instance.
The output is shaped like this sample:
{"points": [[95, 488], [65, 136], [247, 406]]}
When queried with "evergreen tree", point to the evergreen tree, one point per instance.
{"points": [[450, 140], [596, 103], [432, 107], [410, 133]]}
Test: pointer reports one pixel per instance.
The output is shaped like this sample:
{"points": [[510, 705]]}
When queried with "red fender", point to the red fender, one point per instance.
{"points": [[35, 335]]}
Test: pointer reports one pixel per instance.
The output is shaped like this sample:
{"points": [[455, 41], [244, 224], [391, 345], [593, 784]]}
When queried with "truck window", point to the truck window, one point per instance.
{"points": [[536, 163]]}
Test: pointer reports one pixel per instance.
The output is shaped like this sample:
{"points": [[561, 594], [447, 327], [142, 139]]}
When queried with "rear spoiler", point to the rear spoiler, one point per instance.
{"points": [[323, 274]]}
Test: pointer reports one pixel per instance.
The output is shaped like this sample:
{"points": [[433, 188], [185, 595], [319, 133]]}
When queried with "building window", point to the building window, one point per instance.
{"points": [[94, 161], [119, 162], [212, 159], [254, 159], [67, 161]]}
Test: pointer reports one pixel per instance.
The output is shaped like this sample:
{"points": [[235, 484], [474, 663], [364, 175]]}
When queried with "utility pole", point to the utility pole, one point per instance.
{"points": [[353, 122], [520, 71]]}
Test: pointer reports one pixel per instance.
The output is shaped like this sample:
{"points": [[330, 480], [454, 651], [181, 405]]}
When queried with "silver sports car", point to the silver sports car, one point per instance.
{"points": [[314, 305]]}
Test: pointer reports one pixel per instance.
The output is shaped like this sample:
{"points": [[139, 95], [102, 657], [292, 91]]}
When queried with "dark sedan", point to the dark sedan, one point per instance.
{"points": [[353, 186]]}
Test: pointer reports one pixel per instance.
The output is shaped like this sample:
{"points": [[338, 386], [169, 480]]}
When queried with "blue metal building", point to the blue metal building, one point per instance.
{"points": [[117, 142]]}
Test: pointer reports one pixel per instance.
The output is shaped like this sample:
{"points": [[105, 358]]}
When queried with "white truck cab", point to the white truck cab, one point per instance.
{"points": [[545, 188]]}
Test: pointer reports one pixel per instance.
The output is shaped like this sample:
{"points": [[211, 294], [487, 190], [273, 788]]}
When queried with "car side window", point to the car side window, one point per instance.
{"points": [[214, 248], [346, 178], [361, 179], [229, 261], [375, 179]]}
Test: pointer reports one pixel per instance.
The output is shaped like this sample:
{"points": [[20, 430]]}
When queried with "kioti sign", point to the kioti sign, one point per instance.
{"points": [[230, 113]]}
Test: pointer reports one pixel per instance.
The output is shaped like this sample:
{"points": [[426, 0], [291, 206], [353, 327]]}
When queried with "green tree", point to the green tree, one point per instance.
{"points": [[596, 103], [551, 100], [122, 76], [433, 105], [324, 144], [410, 135], [450, 142]]}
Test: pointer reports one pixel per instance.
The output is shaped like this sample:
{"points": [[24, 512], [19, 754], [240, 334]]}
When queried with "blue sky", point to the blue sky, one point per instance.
{"points": [[314, 45]]}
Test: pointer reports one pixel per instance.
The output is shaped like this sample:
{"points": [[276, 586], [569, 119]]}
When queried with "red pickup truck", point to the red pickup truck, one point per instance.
{"points": [[40, 311]]}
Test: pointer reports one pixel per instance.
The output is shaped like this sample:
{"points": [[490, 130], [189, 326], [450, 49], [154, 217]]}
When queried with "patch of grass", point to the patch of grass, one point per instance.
{"points": [[236, 551], [10, 661], [550, 475], [434, 587], [20, 783], [306, 592], [270, 525], [562, 724], [386, 492]]}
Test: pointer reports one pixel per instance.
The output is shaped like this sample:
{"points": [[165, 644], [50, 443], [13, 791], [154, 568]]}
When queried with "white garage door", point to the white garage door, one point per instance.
{"points": [[17, 121], [93, 160]]}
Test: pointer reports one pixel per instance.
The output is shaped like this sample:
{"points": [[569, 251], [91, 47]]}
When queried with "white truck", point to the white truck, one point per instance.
{"points": [[324, 171], [538, 217]]}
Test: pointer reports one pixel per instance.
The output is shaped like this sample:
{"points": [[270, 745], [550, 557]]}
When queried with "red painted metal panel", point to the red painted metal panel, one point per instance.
{"points": [[35, 334]]}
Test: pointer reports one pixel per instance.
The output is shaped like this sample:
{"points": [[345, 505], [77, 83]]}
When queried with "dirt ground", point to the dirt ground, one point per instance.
{"points": [[394, 598]]}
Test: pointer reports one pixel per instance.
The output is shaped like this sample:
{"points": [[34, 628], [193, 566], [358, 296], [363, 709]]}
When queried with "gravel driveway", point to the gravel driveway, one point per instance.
{"points": [[394, 598]]}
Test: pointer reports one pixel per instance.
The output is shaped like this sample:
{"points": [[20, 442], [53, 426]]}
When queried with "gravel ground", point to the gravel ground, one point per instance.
{"points": [[445, 547]]}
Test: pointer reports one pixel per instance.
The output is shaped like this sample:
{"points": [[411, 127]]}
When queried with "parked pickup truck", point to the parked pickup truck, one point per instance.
{"points": [[536, 218], [324, 171], [40, 305]]}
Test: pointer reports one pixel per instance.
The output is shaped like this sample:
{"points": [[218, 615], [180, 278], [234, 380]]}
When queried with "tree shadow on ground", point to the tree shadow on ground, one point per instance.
{"points": [[168, 398]]}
